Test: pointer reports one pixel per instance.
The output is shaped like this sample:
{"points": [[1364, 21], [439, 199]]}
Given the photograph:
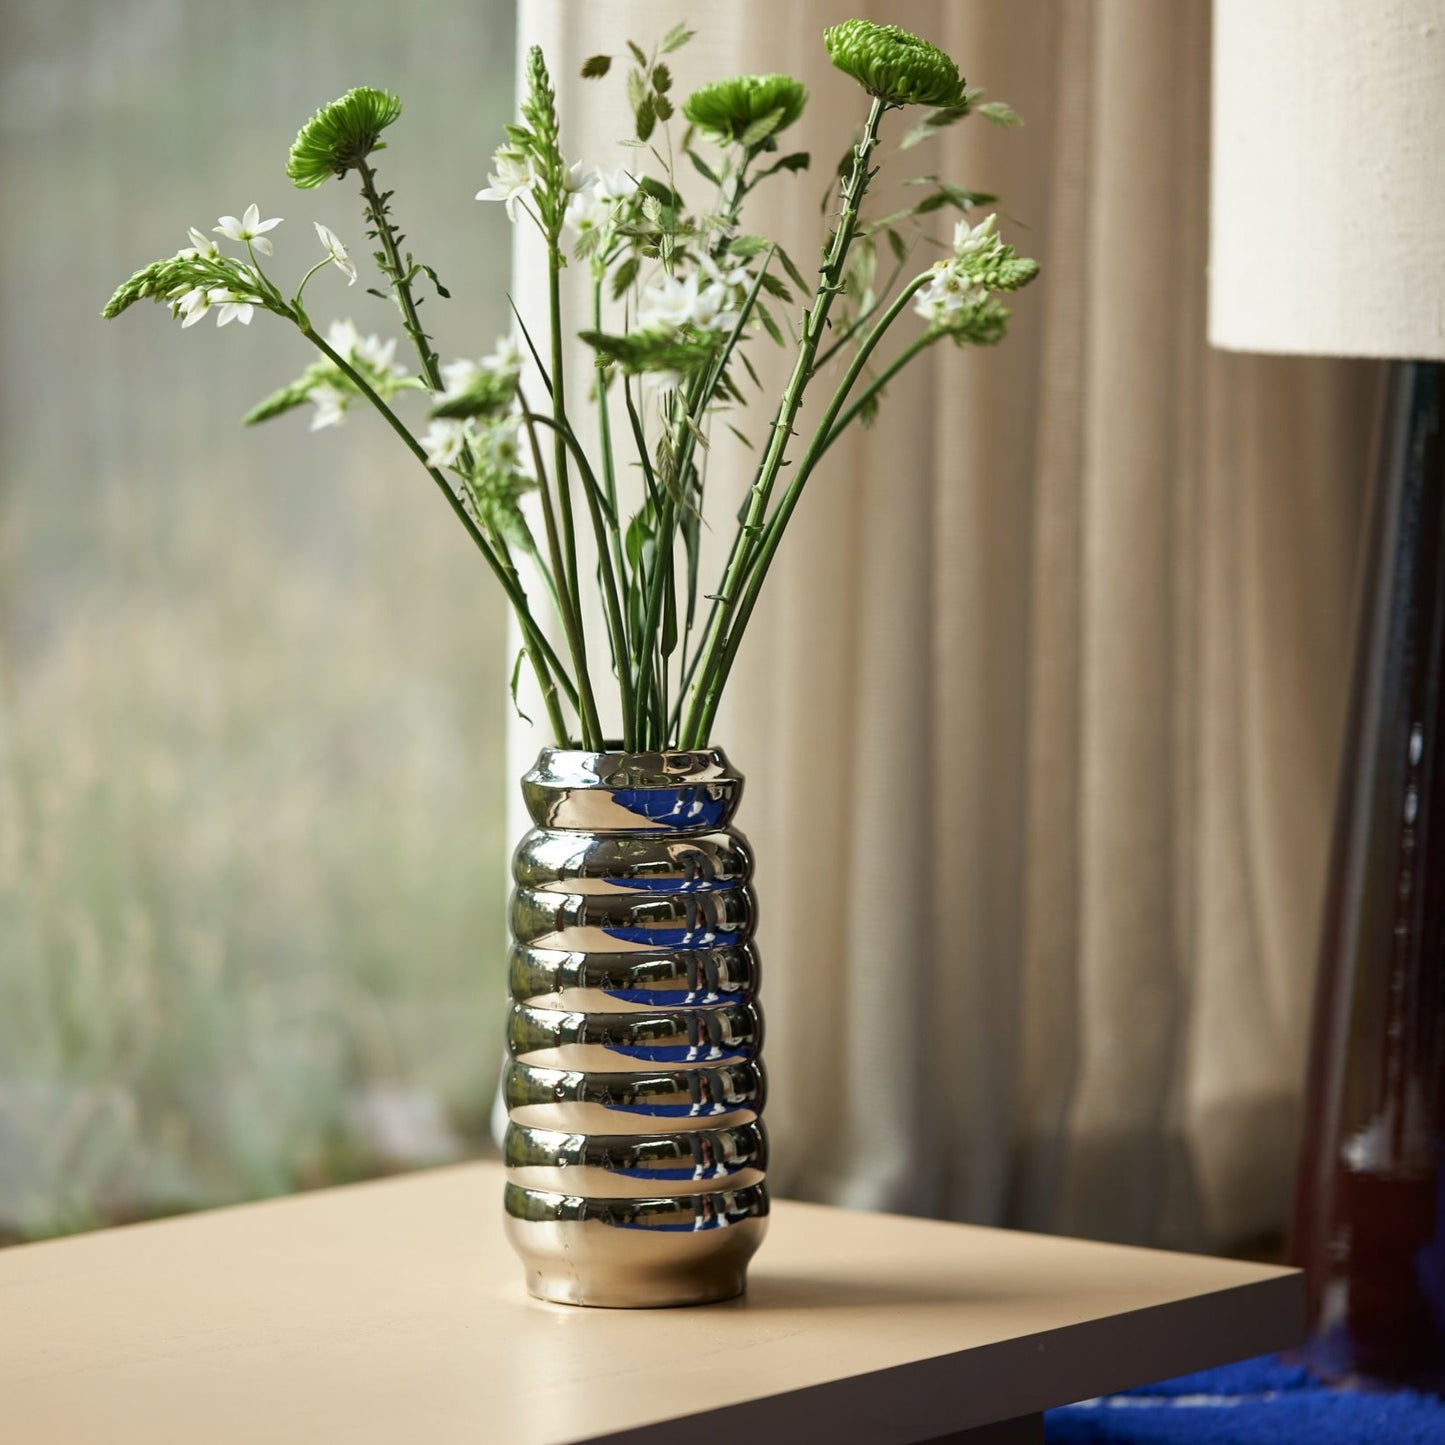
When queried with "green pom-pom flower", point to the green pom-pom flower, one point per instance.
{"points": [[341, 135], [747, 108], [893, 65]]}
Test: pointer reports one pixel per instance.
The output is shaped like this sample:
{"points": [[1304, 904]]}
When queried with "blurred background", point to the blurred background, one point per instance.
{"points": [[251, 683]]}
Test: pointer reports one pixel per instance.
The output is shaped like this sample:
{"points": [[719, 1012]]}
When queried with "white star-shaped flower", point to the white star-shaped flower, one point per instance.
{"points": [[233, 307], [331, 242], [444, 440], [510, 180], [250, 228], [970, 240], [330, 406], [192, 306]]}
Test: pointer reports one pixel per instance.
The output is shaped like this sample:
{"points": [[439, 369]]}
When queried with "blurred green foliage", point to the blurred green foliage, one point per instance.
{"points": [[252, 686]]}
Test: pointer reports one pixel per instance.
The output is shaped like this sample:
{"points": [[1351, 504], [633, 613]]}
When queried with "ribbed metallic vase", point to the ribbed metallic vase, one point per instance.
{"points": [[635, 1148]]}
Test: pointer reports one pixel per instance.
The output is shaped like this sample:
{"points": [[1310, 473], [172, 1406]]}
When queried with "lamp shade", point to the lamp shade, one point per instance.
{"points": [[1327, 210]]}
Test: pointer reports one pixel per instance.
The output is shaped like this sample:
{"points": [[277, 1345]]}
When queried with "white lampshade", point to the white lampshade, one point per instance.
{"points": [[1327, 212]]}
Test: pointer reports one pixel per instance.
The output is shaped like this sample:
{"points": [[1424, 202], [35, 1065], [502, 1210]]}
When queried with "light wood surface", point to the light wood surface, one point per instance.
{"points": [[393, 1312]]}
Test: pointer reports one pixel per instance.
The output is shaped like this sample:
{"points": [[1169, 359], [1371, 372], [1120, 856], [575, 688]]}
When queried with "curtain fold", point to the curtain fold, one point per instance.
{"points": [[1041, 710]]}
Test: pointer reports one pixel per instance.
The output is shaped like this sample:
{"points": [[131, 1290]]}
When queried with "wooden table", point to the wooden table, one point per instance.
{"points": [[393, 1312]]}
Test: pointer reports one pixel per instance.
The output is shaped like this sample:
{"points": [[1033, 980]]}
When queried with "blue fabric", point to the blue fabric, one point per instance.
{"points": [[1256, 1402]]}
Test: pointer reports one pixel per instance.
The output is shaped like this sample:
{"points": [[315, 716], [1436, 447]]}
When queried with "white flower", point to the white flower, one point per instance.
{"points": [[948, 293], [372, 351], [330, 406], [342, 336], [501, 447], [594, 202], [444, 441], [200, 246], [616, 187], [714, 310], [233, 307], [735, 278], [378, 354], [193, 305], [669, 302], [677, 301], [504, 358], [970, 240], [248, 228], [336, 251], [458, 377], [578, 177], [587, 211], [510, 180]]}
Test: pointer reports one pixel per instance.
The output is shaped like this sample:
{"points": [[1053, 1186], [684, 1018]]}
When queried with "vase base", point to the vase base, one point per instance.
{"points": [[588, 1263]]}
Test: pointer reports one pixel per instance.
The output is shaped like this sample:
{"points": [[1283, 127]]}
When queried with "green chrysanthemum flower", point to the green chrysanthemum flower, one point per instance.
{"points": [[893, 65], [341, 135], [746, 108]]}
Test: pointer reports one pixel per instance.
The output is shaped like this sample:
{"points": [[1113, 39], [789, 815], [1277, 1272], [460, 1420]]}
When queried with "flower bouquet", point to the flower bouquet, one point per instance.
{"points": [[632, 971]]}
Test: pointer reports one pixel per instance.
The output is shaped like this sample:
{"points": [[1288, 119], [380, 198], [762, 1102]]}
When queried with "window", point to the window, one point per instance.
{"points": [[251, 793]]}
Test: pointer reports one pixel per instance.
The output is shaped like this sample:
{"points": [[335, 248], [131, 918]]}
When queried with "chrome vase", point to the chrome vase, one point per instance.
{"points": [[635, 1149]]}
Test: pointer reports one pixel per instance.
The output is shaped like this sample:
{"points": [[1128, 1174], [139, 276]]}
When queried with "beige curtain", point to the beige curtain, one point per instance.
{"points": [[1041, 716]]}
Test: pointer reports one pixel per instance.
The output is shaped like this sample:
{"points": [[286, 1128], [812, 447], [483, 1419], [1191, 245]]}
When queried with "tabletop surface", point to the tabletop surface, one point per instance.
{"points": [[394, 1312]]}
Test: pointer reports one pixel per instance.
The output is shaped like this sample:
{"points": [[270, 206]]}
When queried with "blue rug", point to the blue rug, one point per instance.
{"points": [[1256, 1402]]}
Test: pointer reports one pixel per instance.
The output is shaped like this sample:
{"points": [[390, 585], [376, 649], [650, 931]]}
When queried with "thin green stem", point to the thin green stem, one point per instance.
{"points": [[604, 437], [396, 273], [776, 525], [568, 581], [566, 611], [617, 630], [815, 321]]}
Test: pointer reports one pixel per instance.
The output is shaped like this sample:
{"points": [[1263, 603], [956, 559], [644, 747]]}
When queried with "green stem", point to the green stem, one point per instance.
{"points": [[617, 631], [396, 274], [568, 581], [539, 651], [823, 435], [815, 321], [604, 437], [562, 594]]}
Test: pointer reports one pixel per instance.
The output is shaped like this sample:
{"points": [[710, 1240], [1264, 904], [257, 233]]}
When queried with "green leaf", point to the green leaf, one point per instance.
{"points": [[762, 128], [701, 166], [931, 124], [794, 275], [746, 247], [638, 53], [897, 245], [676, 38], [769, 325], [663, 106], [999, 113], [441, 290], [636, 89], [661, 79], [516, 684], [797, 161], [596, 66], [776, 286], [624, 276], [646, 117]]}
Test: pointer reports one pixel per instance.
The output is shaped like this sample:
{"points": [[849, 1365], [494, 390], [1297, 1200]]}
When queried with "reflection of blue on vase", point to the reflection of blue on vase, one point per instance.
{"points": [[635, 1149]]}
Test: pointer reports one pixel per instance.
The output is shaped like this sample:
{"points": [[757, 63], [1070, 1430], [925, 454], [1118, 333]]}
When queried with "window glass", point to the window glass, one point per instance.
{"points": [[252, 681]]}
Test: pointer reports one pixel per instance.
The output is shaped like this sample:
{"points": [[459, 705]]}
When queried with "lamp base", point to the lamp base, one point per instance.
{"points": [[1369, 1222]]}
